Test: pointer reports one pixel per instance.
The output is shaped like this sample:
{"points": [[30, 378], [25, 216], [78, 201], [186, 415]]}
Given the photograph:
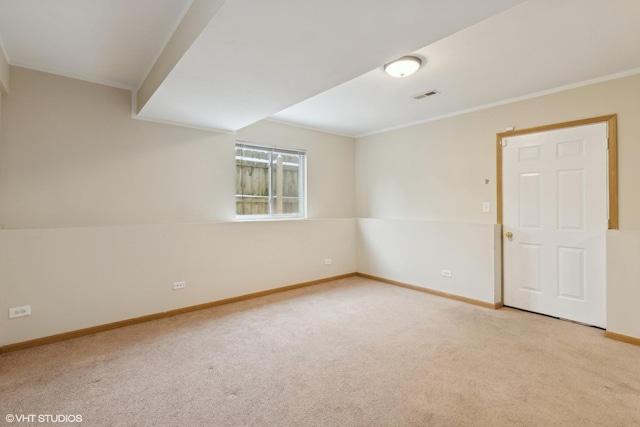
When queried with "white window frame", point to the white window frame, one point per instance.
{"points": [[302, 181]]}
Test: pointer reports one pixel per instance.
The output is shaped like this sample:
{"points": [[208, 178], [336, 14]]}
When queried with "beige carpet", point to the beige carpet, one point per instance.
{"points": [[353, 352]]}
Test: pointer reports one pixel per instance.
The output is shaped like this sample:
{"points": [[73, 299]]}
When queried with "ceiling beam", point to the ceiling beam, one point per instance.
{"points": [[194, 21]]}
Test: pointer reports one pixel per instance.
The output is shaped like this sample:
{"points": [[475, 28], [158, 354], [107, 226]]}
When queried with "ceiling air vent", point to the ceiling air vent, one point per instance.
{"points": [[425, 94]]}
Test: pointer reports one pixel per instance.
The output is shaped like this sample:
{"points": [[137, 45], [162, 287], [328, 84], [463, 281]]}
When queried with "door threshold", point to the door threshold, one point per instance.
{"points": [[556, 317], [583, 324]]}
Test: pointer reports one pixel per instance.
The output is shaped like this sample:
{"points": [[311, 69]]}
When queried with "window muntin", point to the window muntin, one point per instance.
{"points": [[269, 181]]}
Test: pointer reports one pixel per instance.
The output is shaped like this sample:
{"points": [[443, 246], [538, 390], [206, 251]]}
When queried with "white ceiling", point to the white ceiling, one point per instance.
{"points": [[534, 47], [318, 64], [256, 58], [113, 42]]}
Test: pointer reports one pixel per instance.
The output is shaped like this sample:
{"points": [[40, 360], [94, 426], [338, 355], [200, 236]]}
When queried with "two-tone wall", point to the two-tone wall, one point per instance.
{"points": [[420, 191], [100, 214]]}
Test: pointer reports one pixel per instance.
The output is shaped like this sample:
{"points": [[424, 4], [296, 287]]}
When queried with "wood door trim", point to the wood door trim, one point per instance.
{"points": [[612, 129]]}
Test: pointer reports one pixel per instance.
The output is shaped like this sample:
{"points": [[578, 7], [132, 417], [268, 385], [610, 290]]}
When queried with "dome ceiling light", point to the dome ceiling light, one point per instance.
{"points": [[403, 67]]}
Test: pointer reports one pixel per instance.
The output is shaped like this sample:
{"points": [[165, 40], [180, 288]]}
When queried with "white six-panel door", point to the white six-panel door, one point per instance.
{"points": [[555, 218]]}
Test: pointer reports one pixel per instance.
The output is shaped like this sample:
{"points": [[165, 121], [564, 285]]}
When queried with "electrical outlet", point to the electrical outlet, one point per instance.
{"points": [[327, 261], [179, 285], [446, 273], [20, 311]]}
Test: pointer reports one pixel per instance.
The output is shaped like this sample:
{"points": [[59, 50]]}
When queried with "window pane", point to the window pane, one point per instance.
{"points": [[252, 181], [252, 205], [269, 181], [289, 189]]}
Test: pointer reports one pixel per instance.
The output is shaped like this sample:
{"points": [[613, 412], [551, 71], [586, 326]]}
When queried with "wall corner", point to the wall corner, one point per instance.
{"points": [[4, 73]]}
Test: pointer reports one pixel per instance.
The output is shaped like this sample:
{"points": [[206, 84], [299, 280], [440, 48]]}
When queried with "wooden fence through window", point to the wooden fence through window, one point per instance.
{"points": [[252, 185]]}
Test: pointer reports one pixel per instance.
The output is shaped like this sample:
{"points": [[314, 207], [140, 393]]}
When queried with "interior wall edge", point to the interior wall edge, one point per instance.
{"points": [[460, 298], [453, 258]]}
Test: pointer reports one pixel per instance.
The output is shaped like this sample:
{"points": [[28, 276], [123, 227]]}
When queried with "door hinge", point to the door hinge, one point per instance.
{"points": [[503, 142]]}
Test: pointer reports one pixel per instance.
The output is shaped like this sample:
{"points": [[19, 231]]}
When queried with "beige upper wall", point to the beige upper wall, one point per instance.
{"points": [[72, 156], [436, 171]]}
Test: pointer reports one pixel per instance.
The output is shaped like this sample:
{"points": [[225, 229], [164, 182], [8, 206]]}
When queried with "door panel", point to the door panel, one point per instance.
{"points": [[555, 206], [571, 273], [530, 200], [530, 266], [571, 208]]}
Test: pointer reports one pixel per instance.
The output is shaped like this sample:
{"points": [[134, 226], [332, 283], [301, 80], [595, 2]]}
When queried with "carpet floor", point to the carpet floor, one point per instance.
{"points": [[353, 352]]}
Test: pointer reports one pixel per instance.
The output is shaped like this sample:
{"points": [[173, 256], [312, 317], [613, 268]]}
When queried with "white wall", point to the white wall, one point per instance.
{"points": [[102, 213], [75, 278], [416, 252], [435, 173], [623, 281]]}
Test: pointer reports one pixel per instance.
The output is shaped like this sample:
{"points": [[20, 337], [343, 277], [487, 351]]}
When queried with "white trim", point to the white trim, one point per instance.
{"points": [[53, 71], [184, 125], [302, 182], [136, 116], [301, 126], [267, 218], [287, 150], [509, 101]]}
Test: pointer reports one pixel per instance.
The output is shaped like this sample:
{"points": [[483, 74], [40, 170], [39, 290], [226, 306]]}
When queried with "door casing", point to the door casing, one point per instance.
{"points": [[612, 123]]}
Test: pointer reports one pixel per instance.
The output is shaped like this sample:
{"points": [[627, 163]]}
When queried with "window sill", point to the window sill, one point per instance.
{"points": [[258, 218]]}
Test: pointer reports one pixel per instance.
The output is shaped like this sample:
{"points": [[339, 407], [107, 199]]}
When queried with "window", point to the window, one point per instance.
{"points": [[269, 181]]}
